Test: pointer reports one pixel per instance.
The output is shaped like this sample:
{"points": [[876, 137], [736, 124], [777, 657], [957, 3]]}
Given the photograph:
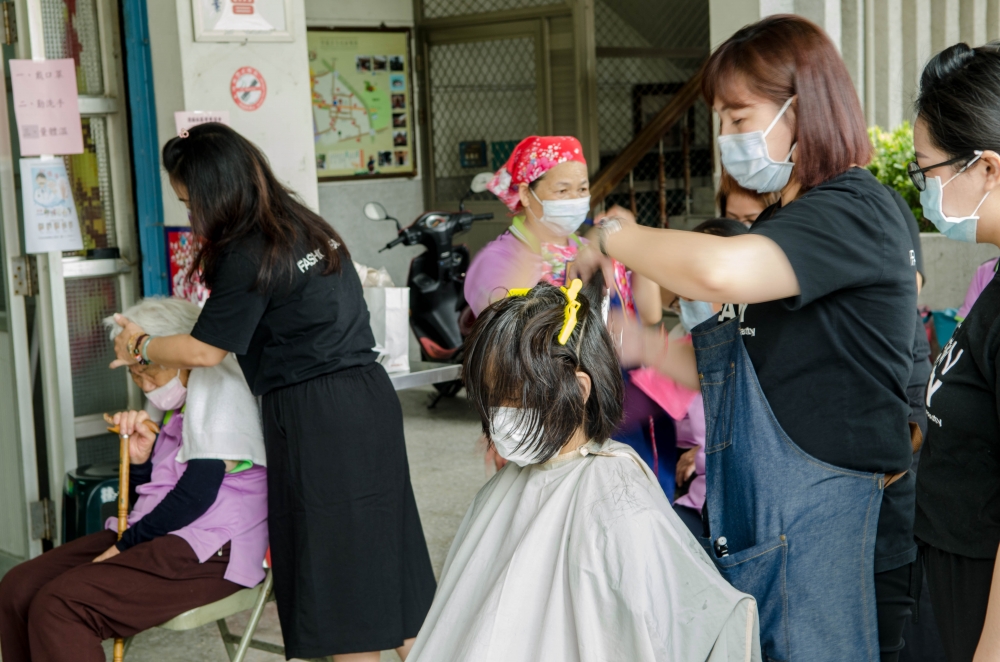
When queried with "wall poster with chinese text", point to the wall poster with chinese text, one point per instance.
{"points": [[50, 221], [46, 106]]}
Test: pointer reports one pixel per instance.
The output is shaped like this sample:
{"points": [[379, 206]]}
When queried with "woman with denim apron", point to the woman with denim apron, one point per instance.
{"points": [[956, 139], [804, 372]]}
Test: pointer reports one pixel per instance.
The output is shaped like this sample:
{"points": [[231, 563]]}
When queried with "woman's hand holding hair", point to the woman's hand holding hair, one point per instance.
{"points": [[589, 258], [635, 344], [177, 351], [130, 332]]}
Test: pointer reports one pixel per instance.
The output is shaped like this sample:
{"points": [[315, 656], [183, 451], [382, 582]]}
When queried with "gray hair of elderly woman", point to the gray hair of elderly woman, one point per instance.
{"points": [[159, 316]]}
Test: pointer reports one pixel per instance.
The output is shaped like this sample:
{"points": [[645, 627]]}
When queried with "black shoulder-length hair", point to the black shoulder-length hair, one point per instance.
{"points": [[513, 359], [233, 194]]}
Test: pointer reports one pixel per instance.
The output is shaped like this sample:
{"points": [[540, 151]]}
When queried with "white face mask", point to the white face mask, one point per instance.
{"points": [[563, 217], [694, 313], [745, 157], [508, 429], [959, 228], [170, 396]]}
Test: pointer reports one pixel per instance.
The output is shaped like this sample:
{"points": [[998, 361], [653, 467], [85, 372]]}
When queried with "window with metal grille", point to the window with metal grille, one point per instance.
{"points": [[647, 49], [442, 8], [96, 388], [480, 91]]}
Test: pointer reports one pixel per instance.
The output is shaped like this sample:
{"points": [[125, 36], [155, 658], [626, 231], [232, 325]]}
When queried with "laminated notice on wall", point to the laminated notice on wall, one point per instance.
{"points": [[50, 221], [45, 106], [185, 119]]}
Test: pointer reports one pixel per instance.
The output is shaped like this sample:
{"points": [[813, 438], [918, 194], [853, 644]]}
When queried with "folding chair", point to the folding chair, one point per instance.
{"points": [[249, 598]]}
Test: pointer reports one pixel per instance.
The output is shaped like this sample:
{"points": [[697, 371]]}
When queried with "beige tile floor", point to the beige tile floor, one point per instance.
{"points": [[446, 473]]}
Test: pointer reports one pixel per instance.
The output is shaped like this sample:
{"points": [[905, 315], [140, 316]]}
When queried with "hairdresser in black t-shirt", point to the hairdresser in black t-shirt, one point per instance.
{"points": [[830, 282], [957, 170], [351, 568]]}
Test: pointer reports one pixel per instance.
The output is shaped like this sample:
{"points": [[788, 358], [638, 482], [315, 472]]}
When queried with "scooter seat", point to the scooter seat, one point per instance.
{"points": [[436, 351]]}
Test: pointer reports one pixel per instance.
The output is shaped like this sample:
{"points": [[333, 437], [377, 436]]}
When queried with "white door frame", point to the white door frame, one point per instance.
{"points": [[62, 426]]}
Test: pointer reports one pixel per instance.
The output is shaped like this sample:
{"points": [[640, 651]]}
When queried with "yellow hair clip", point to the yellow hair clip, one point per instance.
{"points": [[572, 306]]}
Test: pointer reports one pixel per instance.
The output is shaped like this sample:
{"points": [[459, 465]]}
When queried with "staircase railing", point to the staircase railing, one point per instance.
{"points": [[622, 166]]}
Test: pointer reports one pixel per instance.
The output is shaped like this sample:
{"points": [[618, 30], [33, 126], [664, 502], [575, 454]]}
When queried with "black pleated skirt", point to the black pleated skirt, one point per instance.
{"points": [[351, 568]]}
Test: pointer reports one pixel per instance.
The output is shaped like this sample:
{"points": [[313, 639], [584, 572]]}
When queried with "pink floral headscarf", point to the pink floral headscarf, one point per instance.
{"points": [[533, 157]]}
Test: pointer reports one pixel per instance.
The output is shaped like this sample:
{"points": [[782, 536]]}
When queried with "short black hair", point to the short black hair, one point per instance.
{"points": [[513, 359], [721, 227], [959, 99]]}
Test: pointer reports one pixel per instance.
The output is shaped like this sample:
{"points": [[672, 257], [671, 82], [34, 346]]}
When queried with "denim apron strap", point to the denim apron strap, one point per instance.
{"points": [[800, 533]]}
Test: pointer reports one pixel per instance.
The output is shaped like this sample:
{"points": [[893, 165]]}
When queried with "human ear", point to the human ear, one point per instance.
{"points": [[992, 171], [524, 192], [585, 384]]}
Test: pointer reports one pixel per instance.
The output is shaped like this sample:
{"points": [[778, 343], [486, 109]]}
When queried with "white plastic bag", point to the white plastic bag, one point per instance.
{"points": [[373, 277], [389, 310]]}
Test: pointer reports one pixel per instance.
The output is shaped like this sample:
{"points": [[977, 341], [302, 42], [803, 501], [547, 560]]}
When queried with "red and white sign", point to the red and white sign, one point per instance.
{"points": [[243, 7], [248, 88]]}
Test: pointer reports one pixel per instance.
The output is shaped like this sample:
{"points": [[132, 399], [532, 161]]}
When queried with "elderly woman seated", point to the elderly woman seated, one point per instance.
{"points": [[197, 533]]}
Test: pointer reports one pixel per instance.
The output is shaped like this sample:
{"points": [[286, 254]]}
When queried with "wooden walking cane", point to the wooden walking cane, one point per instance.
{"points": [[123, 471]]}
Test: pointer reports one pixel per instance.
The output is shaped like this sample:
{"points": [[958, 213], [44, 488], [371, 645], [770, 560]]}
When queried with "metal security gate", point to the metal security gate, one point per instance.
{"points": [[494, 72], [54, 352], [645, 51], [475, 100]]}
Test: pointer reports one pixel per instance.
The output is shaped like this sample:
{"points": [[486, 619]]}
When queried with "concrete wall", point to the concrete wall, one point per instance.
{"points": [[190, 75], [948, 268], [340, 203], [885, 43]]}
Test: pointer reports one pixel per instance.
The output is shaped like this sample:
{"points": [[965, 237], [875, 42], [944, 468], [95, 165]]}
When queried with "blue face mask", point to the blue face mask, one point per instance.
{"points": [[745, 157], [694, 313], [959, 228]]}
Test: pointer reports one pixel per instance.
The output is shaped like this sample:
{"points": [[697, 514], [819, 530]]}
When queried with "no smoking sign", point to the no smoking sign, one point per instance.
{"points": [[248, 88]]}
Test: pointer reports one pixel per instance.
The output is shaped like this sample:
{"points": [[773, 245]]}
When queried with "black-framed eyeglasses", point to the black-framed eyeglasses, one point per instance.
{"points": [[918, 176]]}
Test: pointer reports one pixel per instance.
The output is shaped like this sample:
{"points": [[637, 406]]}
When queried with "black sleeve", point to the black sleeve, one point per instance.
{"points": [[833, 238], [191, 498], [912, 226], [138, 474], [233, 309]]}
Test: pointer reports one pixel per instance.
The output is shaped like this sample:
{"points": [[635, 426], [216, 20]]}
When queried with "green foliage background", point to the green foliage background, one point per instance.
{"points": [[893, 150]]}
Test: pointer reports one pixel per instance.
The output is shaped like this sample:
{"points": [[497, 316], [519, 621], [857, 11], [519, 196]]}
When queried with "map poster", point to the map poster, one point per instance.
{"points": [[362, 103]]}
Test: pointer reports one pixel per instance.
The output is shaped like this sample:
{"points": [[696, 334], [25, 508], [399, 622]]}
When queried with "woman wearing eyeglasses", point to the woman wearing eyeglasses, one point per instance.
{"points": [[804, 372], [957, 139]]}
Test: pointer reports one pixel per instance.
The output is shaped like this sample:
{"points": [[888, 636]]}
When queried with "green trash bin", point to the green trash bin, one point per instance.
{"points": [[90, 497]]}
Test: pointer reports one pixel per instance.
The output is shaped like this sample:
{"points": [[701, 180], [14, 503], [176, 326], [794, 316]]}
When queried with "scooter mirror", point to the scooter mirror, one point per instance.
{"points": [[480, 181], [376, 212]]}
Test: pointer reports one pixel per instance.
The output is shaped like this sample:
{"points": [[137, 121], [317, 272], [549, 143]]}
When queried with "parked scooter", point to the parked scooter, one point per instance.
{"points": [[438, 311]]}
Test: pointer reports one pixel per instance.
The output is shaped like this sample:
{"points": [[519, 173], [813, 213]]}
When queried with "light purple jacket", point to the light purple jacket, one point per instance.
{"points": [[238, 516], [504, 263], [984, 274], [691, 434]]}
